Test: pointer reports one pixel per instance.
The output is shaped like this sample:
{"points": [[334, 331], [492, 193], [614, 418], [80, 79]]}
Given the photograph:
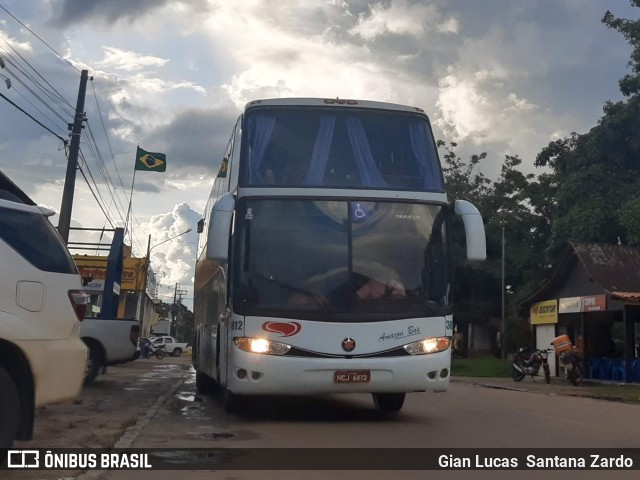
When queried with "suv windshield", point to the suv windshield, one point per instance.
{"points": [[340, 260], [341, 148]]}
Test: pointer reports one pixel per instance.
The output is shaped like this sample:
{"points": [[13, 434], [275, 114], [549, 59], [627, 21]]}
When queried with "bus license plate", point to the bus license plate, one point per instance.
{"points": [[351, 376]]}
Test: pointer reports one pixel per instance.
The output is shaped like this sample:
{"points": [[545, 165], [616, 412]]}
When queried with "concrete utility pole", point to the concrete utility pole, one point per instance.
{"points": [[70, 180], [177, 304], [503, 341]]}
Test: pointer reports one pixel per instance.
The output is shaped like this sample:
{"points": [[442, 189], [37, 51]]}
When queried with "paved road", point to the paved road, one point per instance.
{"points": [[470, 415]]}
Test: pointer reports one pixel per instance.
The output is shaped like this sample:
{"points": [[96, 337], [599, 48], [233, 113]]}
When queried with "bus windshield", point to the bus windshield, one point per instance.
{"points": [[339, 148], [340, 261]]}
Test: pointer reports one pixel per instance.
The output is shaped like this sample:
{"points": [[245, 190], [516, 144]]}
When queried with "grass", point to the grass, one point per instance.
{"points": [[496, 367], [480, 367], [623, 393]]}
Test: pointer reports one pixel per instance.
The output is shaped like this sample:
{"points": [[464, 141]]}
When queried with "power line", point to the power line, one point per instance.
{"points": [[34, 119], [94, 196], [52, 93], [36, 35], [105, 133], [56, 97]]}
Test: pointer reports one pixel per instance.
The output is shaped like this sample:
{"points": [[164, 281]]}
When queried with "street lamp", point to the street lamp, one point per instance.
{"points": [[164, 241], [147, 261]]}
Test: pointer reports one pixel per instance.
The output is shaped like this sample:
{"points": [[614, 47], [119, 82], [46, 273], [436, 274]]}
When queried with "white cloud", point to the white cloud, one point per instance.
{"points": [[401, 18], [505, 77], [14, 43], [127, 60], [172, 252], [463, 107]]}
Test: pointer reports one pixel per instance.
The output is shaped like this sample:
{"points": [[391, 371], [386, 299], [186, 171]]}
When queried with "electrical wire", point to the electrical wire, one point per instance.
{"points": [[94, 196], [36, 35], [47, 94], [34, 119]]}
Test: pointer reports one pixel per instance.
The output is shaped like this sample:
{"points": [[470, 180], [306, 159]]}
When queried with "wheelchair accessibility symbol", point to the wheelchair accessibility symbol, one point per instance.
{"points": [[361, 211]]}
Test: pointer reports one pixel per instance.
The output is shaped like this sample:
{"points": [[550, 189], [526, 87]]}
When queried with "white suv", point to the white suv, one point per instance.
{"points": [[42, 359]]}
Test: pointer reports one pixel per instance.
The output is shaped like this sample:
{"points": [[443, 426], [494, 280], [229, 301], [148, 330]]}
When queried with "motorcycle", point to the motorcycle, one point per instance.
{"points": [[527, 363], [150, 350], [572, 362]]}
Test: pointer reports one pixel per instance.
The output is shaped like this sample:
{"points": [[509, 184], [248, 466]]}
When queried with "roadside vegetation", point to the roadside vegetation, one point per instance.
{"points": [[492, 367], [480, 367], [587, 190]]}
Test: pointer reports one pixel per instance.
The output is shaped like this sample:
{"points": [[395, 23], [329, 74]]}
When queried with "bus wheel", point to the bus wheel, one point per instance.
{"points": [[232, 403], [204, 383], [9, 410], [388, 402]]}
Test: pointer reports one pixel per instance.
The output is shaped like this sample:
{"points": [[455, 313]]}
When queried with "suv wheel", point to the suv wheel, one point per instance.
{"points": [[93, 366], [9, 409]]}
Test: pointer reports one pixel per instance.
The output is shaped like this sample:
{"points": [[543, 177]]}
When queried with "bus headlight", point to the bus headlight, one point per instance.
{"points": [[261, 345], [428, 345]]}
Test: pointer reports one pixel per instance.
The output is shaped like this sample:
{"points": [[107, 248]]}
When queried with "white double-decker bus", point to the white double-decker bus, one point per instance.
{"points": [[323, 262]]}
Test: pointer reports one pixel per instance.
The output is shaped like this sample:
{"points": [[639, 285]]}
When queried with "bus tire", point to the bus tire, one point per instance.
{"points": [[9, 409], [204, 383], [232, 403], [388, 402]]}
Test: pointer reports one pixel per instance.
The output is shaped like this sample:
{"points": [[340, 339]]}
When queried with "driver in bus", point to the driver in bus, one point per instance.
{"points": [[376, 281]]}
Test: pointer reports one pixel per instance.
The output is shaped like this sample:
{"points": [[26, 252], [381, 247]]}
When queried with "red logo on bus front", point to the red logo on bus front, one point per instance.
{"points": [[286, 329]]}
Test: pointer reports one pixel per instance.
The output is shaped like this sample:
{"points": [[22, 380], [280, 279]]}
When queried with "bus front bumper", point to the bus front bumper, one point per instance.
{"points": [[258, 374]]}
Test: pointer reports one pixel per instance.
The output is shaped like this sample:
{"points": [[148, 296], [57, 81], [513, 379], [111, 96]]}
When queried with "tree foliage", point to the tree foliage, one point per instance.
{"points": [[590, 191], [181, 318], [597, 173]]}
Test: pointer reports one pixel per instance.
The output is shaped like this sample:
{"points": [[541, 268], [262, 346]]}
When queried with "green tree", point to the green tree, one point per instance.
{"points": [[597, 173], [516, 202], [181, 319]]}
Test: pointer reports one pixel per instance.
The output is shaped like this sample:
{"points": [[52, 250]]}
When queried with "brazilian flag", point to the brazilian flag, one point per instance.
{"points": [[150, 162], [224, 167]]}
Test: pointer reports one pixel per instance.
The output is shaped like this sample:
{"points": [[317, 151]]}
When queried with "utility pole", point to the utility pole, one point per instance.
{"points": [[504, 336], [173, 310], [70, 180], [177, 304], [142, 294]]}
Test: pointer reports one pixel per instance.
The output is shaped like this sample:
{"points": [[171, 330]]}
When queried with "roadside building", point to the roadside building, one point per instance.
{"points": [[594, 297], [135, 291]]}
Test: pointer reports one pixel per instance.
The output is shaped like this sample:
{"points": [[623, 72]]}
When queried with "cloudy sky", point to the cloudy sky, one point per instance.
{"points": [[500, 76]]}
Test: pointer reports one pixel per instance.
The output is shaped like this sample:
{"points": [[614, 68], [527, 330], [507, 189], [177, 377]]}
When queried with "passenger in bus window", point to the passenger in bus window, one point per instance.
{"points": [[374, 288], [269, 177]]}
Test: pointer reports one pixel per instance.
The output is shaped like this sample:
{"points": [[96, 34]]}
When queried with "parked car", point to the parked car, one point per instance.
{"points": [[172, 346], [110, 341], [42, 359]]}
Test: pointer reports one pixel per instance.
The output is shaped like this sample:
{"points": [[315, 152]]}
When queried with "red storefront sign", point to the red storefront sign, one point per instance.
{"points": [[594, 303]]}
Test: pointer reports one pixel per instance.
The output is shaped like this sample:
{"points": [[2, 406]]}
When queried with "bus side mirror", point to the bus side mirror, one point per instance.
{"points": [[474, 230], [220, 228]]}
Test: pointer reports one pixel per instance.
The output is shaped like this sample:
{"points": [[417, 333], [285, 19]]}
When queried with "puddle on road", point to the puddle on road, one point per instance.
{"points": [[193, 411], [187, 397], [213, 435]]}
